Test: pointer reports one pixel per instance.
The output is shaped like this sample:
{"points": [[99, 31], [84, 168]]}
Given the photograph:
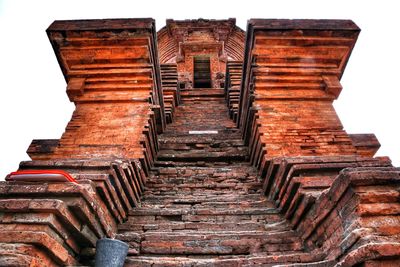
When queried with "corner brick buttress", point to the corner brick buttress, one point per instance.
{"points": [[204, 145]]}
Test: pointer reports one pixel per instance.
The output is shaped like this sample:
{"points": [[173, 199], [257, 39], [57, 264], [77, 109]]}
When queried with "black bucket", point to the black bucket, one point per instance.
{"points": [[110, 252]]}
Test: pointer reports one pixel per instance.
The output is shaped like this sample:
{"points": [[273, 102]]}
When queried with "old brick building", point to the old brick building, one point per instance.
{"points": [[203, 145]]}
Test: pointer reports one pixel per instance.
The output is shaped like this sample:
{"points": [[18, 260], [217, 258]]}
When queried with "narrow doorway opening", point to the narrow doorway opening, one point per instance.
{"points": [[202, 72]]}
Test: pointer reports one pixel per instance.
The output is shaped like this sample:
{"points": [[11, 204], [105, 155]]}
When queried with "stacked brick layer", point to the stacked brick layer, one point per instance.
{"points": [[232, 87], [169, 83], [172, 37], [168, 47], [111, 68], [113, 79], [343, 207], [290, 79], [219, 40], [326, 184], [291, 76], [58, 224]]}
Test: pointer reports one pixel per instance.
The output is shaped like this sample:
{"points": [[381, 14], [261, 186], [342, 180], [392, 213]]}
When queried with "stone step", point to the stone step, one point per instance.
{"points": [[196, 144], [130, 225], [201, 148], [147, 215], [199, 92], [211, 243], [257, 259], [238, 170], [202, 191], [201, 181], [218, 140], [213, 155], [203, 211], [202, 99], [191, 175], [210, 205], [172, 181], [219, 243], [195, 164], [224, 130], [226, 136], [194, 199], [213, 114]]}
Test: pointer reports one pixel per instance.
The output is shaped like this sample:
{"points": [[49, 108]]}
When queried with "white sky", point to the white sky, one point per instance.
{"points": [[33, 103]]}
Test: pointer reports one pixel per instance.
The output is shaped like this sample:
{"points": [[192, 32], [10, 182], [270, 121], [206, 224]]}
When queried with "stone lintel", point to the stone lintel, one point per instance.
{"points": [[304, 24], [101, 24]]}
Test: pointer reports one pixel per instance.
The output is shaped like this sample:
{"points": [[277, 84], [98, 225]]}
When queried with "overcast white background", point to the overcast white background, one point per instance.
{"points": [[33, 103]]}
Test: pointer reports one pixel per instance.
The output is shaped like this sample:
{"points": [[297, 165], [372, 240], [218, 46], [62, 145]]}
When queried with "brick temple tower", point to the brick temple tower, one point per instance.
{"points": [[203, 145]]}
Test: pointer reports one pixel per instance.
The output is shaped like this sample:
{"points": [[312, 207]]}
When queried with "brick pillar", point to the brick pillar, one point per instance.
{"points": [[113, 78], [112, 72], [291, 77]]}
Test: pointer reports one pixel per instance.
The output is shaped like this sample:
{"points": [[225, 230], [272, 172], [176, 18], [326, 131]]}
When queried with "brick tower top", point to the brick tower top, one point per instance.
{"points": [[190, 42]]}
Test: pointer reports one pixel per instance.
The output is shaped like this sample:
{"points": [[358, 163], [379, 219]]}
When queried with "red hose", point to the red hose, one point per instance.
{"points": [[40, 174]]}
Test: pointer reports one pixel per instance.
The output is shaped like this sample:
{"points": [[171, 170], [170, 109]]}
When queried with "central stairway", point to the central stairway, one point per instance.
{"points": [[203, 204]]}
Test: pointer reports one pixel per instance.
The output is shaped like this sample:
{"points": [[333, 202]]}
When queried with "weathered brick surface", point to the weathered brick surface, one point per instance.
{"points": [[232, 87], [337, 204], [24, 255], [202, 205], [60, 219], [114, 80], [291, 76], [119, 184], [171, 92], [279, 183], [180, 41], [67, 219]]}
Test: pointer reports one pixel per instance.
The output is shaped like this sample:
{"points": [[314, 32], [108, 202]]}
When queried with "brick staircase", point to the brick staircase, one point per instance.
{"points": [[169, 83], [203, 204]]}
